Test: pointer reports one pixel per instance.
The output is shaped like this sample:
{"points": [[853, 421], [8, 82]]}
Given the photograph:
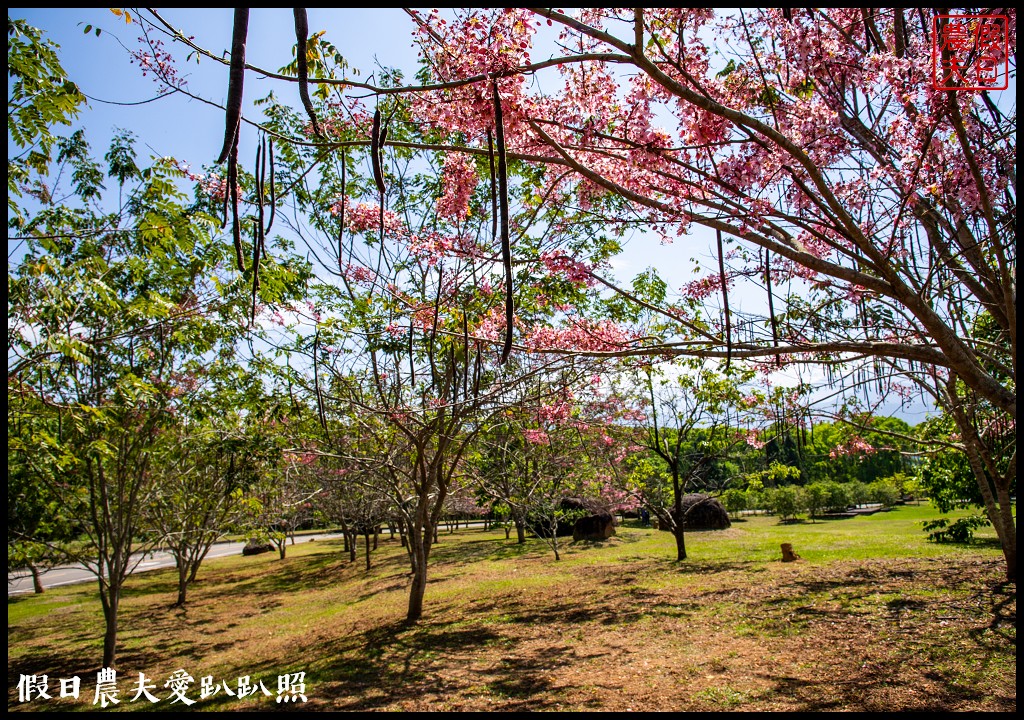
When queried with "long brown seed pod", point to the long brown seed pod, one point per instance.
{"points": [[412, 365], [494, 189], [771, 304], [465, 345], [255, 266], [506, 248], [260, 174], [224, 209], [341, 213], [257, 227], [725, 301], [381, 134], [378, 176], [236, 230], [302, 66], [273, 189], [236, 77], [316, 381]]}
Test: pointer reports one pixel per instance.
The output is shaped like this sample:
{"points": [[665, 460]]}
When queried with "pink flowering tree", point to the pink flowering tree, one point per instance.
{"points": [[406, 352], [813, 153], [693, 418], [873, 211], [535, 452]]}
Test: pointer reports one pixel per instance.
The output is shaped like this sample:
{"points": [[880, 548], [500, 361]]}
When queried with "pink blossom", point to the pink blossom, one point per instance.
{"points": [[537, 437], [459, 180], [856, 445], [565, 267]]}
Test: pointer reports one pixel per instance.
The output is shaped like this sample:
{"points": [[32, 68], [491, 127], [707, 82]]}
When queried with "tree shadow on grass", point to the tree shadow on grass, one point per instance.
{"points": [[482, 549], [431, 661], [1002, 627], [309, 572], [875, 687], [709, 568]]}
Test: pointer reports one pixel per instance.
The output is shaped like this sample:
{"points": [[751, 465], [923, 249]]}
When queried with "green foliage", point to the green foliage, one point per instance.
{"points": [[815, 498], [886, 492], [958, 531], [837, 496], [786, 502], [775, 475], [735, 500], [947, 478], [39, 96]]}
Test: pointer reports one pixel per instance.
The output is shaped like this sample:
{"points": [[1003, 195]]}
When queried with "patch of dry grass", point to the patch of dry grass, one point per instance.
{"points": [[614, 626]]}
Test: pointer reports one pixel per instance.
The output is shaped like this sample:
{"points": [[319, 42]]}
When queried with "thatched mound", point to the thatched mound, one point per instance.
{"points": [[255, 547], [702, 512], [588, 519]]}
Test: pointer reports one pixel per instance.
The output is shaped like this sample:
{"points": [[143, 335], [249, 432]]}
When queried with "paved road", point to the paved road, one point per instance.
{"points": [[21, 582]]}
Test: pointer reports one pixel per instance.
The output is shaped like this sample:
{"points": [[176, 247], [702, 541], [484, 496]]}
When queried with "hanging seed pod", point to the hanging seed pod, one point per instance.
{"points": [[725, 302], [257, 227], [771, 304], [433, 328], [260, 174], [899, 33], [302, 67], [341, 213], [236, 230], [465, 345], [255, 266], [375, 158], [506, 248], [477, 370], [273, 189], [412, 366], [224, 203], [316, 381], [236, 76]]}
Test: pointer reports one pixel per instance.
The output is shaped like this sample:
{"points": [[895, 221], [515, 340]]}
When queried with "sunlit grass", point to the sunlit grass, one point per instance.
{"points": [[494, 607]]}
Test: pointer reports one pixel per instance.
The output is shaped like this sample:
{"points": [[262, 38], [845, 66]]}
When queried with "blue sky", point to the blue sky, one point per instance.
{"points": [[183, 128]]}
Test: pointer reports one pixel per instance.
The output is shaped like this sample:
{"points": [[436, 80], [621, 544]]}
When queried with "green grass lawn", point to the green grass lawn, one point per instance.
{"points": [[873, 617]]}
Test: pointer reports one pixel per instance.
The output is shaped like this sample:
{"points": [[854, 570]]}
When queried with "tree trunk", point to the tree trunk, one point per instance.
{"points": [[366, 539], [678, 517], [419, 545], [1006, 530], [110, 634], [520, 531], [182, 583], [680, 535], [352, 546], [37, 584], [416, 592], [997, 506]]}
